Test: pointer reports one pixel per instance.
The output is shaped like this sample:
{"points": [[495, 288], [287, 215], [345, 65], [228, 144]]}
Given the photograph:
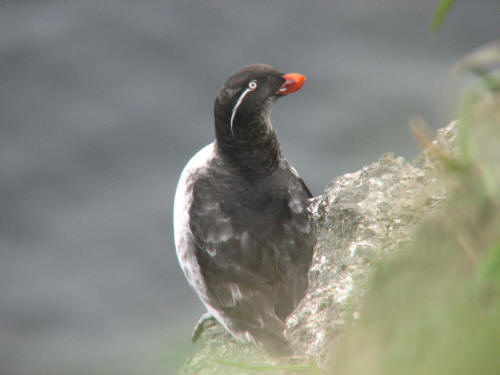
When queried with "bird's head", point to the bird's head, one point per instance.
{"points": [[243, 105]]}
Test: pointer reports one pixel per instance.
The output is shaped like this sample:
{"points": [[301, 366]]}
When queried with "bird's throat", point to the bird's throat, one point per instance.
{"points": [[254, 149]]}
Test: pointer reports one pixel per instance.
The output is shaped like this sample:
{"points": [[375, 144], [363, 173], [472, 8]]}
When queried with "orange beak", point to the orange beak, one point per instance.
{"points": [[293, 82]]}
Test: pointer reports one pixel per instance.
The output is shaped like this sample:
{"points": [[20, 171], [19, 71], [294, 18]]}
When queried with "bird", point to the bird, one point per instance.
{"points": [[241, 228]]}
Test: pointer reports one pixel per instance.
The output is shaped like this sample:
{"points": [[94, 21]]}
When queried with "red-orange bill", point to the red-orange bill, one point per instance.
{"points": [[293, 82]]}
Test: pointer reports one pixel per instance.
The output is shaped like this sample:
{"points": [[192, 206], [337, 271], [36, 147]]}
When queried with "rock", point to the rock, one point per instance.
{"points": [[360, 217]]}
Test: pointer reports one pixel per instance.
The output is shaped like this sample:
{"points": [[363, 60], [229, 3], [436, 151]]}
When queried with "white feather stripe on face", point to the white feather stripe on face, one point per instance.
{"points": [[252, 85], [238, 103]]}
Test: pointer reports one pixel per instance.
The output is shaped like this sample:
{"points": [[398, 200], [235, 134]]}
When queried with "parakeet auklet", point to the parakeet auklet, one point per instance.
{"points": [[242, 233]]}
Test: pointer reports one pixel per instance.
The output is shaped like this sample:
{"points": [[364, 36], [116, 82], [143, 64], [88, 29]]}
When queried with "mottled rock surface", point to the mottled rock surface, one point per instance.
{"points": [[360, 217]]}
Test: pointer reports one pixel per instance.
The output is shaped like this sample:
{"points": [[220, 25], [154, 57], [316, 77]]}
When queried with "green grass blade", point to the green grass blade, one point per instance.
{"points": [[440, 14]]}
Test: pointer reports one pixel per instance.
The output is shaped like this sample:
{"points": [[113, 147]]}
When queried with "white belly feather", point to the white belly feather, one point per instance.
{"points": [[182, 203]]}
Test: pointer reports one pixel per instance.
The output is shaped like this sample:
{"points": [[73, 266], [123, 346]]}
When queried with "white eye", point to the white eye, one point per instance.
{"points": [[252, 85]]}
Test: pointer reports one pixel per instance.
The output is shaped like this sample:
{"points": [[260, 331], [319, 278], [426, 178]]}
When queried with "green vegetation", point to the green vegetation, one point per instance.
{"points": [[441, 12], [435, 307], [311, 368]]}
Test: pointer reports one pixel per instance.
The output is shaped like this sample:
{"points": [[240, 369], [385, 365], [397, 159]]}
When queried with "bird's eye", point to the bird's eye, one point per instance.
{"points": [[252, 85]]}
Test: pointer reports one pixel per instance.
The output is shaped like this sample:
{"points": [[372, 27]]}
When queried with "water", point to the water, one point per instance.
{"points": [[103, 102]]}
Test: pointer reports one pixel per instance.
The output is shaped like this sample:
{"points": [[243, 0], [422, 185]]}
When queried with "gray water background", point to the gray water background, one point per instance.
{"points": [[103, 102]]}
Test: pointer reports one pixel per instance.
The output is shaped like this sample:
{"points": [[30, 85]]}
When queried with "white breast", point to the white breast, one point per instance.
{"points": [[182, 232]]}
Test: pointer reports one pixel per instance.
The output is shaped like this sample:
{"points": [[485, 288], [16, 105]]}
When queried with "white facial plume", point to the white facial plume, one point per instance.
{"points": [[252, 85]]}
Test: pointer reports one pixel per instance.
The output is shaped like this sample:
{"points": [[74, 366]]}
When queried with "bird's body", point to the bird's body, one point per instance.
{"points": [[242, 233]]}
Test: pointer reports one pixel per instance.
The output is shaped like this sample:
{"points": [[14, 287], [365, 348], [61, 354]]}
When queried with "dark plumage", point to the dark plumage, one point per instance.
{"points": [[242, 232]]}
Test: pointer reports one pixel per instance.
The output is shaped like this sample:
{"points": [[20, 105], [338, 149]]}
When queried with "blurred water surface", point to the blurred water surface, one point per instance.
{"points": [[103, 102]]}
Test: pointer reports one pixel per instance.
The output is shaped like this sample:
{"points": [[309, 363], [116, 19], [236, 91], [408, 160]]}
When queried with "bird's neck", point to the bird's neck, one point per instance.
{"points": [[253, 148]]}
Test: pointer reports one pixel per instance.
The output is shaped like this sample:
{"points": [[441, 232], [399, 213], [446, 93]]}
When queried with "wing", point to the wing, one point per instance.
{"points": [[253, 253]]}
